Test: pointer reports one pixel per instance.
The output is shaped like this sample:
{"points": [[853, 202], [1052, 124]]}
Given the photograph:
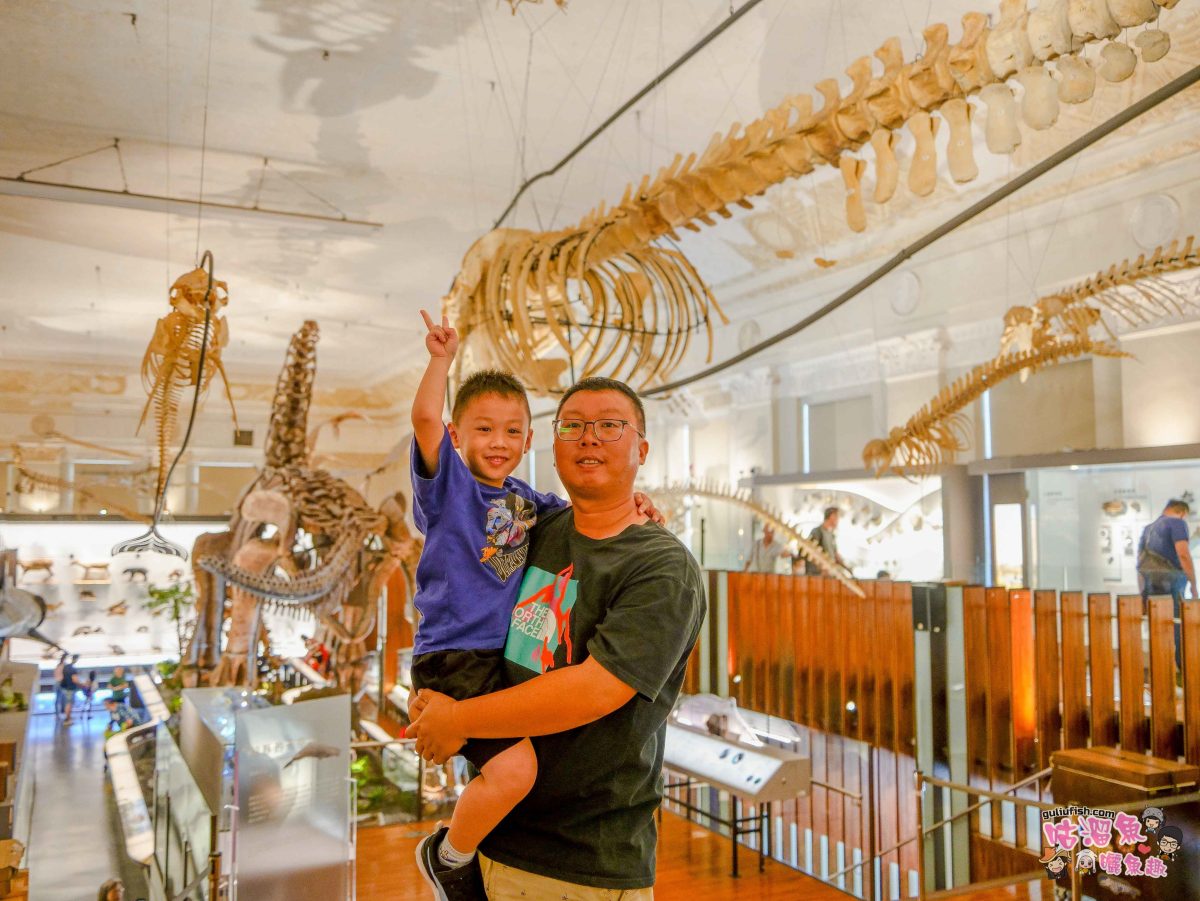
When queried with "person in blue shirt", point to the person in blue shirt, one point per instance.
{"points": [[1165, 562], [476, 519]]}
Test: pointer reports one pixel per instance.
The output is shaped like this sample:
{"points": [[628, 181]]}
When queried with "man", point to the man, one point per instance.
{"points": [[608, 612], [763, 554], [67, 688], [1164, 562], [825, 536]]}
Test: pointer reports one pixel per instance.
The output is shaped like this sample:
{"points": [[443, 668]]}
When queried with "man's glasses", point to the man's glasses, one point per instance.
{"points": [[603, 429]]}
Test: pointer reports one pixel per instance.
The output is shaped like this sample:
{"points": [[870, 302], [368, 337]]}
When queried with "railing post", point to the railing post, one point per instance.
{"points": [[869, 881], [920, 789]]}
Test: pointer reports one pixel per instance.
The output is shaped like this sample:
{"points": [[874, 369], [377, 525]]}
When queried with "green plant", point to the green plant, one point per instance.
{"points": [[175, 600]]}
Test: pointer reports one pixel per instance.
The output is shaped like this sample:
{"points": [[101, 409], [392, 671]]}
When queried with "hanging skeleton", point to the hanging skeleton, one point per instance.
{"points": [[603, 298], [1059, 327], [172, 360]]}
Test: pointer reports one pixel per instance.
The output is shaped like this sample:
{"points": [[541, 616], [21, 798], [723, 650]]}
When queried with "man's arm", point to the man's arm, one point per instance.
{"points": [[554, 702], [430, 399], [1186, 564]]}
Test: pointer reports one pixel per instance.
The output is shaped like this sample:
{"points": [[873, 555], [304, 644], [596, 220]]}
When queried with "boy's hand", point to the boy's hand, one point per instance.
{"points": [[645, 507], [442, 340], [434, 727]]}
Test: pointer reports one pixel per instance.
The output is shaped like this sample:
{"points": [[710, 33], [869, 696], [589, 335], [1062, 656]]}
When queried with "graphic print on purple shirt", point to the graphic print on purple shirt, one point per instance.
{"points": [[476, 542]]}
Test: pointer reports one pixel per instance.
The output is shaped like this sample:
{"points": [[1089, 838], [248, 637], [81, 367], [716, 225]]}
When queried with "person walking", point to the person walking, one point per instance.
{"points": [[67, 686], [1164, 562]]}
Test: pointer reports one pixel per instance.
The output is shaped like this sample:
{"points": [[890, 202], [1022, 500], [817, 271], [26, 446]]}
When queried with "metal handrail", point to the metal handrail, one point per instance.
{"points": [[1041, 774]]}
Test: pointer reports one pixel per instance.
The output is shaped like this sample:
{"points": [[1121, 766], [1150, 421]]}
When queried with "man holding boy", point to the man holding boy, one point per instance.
{"points": [[608, 612]]}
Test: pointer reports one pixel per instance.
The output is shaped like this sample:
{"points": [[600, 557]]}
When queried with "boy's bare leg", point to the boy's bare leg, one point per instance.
{"points": [[487, 799]]}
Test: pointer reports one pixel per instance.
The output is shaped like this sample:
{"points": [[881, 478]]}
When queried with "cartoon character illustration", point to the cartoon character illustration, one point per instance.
{"points": [[1057, 862], [509, 520], [1152, 822], [1085, 861], [1169, 840]]}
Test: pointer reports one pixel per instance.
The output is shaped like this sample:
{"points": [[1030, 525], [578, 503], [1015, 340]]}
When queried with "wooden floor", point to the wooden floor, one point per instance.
{"points": [[693, 864]]}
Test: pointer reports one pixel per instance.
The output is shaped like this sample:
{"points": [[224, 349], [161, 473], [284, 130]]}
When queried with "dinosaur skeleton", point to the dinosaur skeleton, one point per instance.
{"points": [[1057, 328], [173, 355], [603, 298], [300, 540], [768, 515]]}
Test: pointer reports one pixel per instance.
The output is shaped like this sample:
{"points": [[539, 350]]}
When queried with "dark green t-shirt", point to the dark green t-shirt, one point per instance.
{"points": [[635, 603]]}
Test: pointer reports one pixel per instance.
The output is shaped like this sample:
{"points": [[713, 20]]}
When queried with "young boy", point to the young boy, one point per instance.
{"points": [[476, 520]]}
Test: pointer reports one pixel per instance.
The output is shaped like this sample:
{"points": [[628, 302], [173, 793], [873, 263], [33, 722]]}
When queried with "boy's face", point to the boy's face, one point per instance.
{"points": [[493, 434]]}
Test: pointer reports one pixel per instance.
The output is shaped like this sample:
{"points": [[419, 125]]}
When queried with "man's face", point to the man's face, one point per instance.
{"points": [[833, 520], [493, 434], [768, 534], [1168, 845], [594, 469]]}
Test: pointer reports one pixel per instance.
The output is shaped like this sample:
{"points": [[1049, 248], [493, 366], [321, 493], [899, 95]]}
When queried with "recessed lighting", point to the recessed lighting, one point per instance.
{"points": [[104, 511]]}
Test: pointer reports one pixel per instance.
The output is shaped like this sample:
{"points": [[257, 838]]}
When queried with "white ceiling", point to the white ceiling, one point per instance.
{"points": [[421, 115]]}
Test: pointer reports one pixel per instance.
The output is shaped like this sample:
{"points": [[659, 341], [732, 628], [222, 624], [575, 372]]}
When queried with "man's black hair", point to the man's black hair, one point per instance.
{"points": [[488, 381], [1178, 506], [1171, 832], [599, 383], [829, 511]]}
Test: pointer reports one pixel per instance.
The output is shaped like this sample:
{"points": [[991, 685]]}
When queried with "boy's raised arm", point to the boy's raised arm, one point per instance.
{"points": [[430, 400]]}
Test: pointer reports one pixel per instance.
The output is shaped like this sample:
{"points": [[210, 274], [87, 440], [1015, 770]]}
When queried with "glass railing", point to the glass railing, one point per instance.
{"points": [[182, 821], [396, 786]]}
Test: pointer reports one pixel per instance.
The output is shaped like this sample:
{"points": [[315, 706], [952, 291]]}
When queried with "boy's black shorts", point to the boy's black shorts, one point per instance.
{"points": [[462, 675]]}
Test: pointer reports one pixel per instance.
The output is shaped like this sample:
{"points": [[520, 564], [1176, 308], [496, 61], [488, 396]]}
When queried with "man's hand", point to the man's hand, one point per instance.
{"points": [[435, 728], [442, 340], [645, 507]]}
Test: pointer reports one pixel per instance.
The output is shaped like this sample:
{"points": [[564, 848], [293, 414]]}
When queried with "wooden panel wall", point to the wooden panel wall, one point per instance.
{"points": [[1045, 670], [810, 650], [1090, 663]]}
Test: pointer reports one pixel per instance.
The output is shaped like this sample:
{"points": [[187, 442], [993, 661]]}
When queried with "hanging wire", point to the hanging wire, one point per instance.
{"points": [[204, 127]]}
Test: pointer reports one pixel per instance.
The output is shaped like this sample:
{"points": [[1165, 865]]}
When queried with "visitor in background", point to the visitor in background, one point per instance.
{"points": [[68, 685], [60, 698], [118, 685], [882, 575], [764, 553], [120, 718], [317, 656], [1164, 561], [112, 890], [825, 537], [89, 691]]}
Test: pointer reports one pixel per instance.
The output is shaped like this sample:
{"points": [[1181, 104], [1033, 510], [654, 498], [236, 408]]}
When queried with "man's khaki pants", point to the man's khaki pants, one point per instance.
{"points": [[504, 883]]}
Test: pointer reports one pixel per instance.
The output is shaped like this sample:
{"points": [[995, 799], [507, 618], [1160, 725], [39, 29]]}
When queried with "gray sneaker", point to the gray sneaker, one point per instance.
{"points": [[463, 883]]}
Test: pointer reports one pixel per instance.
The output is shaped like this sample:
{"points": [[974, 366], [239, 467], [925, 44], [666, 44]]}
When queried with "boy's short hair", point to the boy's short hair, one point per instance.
{"points": [[1175, 505], [488, 381], [829, 511], [600, 383]]}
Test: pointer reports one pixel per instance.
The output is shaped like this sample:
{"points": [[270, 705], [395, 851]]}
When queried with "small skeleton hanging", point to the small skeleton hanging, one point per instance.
{"points": [[173, 359]]}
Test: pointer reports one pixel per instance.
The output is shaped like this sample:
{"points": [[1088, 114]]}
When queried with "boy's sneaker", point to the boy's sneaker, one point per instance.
{"points": [[463, 883]]}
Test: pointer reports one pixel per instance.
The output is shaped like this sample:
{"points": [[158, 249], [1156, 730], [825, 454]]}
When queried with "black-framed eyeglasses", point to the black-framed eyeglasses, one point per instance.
{"points": [[604, 429]]}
